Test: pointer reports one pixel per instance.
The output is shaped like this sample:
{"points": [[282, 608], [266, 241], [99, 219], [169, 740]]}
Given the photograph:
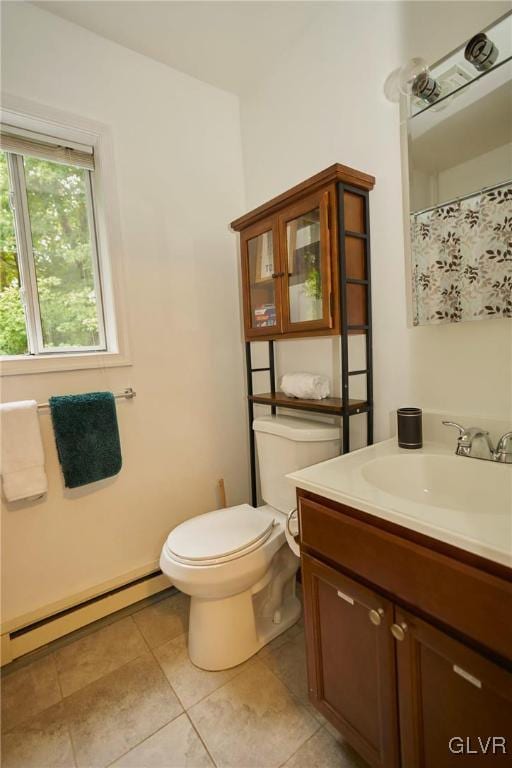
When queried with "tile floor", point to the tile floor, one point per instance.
{"points": [[123, 693]]}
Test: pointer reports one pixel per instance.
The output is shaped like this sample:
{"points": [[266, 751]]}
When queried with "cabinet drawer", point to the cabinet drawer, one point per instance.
{"points": [[473, 602]]}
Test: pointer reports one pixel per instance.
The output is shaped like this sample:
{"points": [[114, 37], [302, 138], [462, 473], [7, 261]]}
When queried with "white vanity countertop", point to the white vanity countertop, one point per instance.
{"points": [[464, 502]]}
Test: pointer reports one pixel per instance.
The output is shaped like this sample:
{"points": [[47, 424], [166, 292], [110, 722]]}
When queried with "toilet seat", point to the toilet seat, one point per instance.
{"points": [[219, 536]]}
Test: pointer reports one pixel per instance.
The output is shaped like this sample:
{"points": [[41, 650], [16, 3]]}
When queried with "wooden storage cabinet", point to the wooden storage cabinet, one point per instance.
{"points": [[306, 271], [400, 686], [471, 600], [351, 663], [448, 694], [289, 267], [292, 252]]}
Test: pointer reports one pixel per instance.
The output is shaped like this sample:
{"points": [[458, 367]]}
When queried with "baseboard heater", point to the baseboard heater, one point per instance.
{"points": [[32, 636]]}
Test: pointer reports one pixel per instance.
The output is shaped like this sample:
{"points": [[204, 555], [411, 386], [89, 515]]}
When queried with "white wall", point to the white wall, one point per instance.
{"points": [[481, 171], [464, 178], [326, 104], [177, 189]]}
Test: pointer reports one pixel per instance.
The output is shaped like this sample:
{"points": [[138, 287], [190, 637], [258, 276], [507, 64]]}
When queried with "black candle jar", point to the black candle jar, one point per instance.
{"points": [[410, 429]]}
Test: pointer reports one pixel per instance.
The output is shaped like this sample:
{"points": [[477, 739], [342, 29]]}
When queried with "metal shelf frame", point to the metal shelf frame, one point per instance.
{"points": [[346, 409]]}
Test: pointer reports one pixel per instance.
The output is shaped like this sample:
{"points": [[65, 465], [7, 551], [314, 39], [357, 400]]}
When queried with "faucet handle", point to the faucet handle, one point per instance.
{"points": [[502, 453], [457, 426], [503, 440]]}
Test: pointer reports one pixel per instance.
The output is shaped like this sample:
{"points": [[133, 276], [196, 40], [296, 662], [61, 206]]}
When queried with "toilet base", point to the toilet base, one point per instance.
{"points": [[226, 632], [290, 614]]}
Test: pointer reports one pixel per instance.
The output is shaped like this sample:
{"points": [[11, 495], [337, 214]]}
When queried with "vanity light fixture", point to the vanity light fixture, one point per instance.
{"points": [[481, 52]]}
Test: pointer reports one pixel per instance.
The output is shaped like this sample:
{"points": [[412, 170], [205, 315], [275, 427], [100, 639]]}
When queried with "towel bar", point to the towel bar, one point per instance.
{"points": [[127, 394]]}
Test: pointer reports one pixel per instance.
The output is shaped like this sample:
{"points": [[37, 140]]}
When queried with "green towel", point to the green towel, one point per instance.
{"points": [[87, 437]]}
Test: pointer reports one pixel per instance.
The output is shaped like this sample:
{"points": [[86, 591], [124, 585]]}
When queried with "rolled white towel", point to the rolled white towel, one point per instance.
{"points": [[305, 386]]}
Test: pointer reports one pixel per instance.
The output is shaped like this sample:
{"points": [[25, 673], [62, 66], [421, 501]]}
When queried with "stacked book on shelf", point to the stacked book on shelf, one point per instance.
{"points": [[265, 315]]}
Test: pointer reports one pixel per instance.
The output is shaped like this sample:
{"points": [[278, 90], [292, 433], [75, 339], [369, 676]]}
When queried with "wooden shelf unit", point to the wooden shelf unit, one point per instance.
{"points": [[291, 257], [341, 196]]}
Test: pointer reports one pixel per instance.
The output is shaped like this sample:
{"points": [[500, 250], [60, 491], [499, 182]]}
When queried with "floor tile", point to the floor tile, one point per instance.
{"points": [[97, 654], [280, 640], [288, 663], [29, 690], [323, 750], [253, 721], [41, 741], [177, 745], [164, 620], [110, 716], [190, 683]]}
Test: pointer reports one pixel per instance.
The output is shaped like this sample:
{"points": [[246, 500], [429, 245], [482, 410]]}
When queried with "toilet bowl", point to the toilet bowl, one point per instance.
{"points": [[235, 562]]}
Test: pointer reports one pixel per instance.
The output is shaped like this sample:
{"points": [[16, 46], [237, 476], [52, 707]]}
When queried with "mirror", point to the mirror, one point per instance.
{"points": [[460, 186], [455, 71]]}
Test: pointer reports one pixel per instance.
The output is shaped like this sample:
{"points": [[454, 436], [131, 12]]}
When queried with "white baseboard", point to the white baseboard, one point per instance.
{"points": [[87, 607]]}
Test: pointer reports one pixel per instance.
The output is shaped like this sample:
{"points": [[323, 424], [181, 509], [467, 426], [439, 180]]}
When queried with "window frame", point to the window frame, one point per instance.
{"points": [[27, 267], [107, 244]]}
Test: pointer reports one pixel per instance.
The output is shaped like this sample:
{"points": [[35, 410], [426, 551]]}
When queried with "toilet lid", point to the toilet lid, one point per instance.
{"points": [[219, 536]]}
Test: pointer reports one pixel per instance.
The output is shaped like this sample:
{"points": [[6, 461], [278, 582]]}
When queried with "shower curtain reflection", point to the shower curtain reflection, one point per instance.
{"points": [[462, 259]]}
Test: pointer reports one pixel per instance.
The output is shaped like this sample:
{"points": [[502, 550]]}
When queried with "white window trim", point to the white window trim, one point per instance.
{"points": [[45, 120], [28, 271]]}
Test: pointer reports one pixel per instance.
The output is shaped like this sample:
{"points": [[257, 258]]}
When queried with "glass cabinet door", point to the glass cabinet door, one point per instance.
{"points": [[261, 296], [304, 232]]}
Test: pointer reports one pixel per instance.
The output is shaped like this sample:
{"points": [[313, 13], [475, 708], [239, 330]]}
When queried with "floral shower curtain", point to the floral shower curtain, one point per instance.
{"points": [[462, 259]]}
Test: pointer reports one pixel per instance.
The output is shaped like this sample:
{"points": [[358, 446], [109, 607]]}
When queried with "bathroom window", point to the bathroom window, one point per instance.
{"points": [[51, 297]]}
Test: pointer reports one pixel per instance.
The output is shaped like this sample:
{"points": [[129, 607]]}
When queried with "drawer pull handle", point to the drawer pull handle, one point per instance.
{"points": [[376, 616], [345, 597], [462, 672], [398, 631]]}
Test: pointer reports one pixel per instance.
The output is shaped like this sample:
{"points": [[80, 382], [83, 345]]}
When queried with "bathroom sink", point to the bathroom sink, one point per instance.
{"points": [[464, 502], [449, 482]]}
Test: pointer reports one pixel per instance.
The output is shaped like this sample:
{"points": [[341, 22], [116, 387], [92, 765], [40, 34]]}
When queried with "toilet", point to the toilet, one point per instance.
{"points": [[235, 563]]}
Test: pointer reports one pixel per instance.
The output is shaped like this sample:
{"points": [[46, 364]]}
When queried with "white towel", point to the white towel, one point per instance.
{"points": [[23, 475], [305, 386]]}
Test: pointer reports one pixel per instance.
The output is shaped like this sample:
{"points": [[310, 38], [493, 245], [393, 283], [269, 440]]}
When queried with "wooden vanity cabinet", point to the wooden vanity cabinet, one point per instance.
{"points": [[291, 250], [351, 661], [386, 665], [449, 694]]}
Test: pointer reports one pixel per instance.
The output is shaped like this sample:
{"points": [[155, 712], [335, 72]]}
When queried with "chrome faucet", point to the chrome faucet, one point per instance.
{"points": [[467, 436]]}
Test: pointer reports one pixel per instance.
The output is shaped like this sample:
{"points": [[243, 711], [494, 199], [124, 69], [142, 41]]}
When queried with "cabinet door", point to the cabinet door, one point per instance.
{"points": [[350, 655], [306, 264], [260, 276], [455, 705]]}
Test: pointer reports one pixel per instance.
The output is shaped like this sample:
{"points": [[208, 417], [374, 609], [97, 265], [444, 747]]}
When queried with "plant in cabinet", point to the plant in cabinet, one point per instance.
{"points": [[313, 284]]}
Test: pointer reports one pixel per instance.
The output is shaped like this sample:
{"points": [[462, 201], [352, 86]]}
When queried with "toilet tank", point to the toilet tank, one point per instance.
{"points": [[285, 444]]}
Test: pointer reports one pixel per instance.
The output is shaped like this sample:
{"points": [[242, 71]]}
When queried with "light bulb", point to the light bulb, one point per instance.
{"points": [[409, 72], [481, 52]]}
